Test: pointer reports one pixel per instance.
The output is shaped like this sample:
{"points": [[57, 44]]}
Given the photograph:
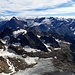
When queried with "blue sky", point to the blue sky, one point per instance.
{"points": [[38, 8]]}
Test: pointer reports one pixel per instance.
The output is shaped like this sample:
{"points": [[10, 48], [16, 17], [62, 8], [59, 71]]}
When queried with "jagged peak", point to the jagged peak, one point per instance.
{"points": [[14, 18]]}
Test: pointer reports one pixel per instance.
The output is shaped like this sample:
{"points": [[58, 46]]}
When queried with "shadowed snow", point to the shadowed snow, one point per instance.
{"points": [[44, 65]]}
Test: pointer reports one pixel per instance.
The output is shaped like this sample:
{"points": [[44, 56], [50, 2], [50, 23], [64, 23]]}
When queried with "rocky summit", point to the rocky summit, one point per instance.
{"points": [[39, 46]]}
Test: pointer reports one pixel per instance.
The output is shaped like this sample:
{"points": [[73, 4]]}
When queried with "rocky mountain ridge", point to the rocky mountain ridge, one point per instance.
{"points": [[27, 41]]}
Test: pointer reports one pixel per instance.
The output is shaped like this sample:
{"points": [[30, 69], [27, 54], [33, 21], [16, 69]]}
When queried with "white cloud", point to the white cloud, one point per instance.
{"points": [[73, 5], [65, 17], [50, 11], [31, 4], [62, 10], [22, 7]]}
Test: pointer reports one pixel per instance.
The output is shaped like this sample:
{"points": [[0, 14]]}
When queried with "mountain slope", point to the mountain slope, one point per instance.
{"points": [[13, 23], [43, 44]]}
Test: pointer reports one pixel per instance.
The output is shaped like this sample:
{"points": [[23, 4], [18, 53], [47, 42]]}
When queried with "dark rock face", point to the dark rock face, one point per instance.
{"points": [[49, 39], [13, 23], [18, 49], [39, 20], [2, 45], [19, 64], [69, 38], [35, 42], [72, 47], [29, 39], [6, 32], [23, 40], [4, 66], [57, 36], [2, 23], [42, 27]]}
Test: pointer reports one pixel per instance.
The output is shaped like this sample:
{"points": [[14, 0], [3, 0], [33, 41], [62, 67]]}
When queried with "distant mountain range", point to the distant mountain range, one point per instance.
{"points": [[60, 26], [56, 25]]}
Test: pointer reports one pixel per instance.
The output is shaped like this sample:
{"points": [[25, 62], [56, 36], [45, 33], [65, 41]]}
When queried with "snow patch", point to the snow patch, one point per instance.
{"points": [[16, 44], [44, 65], [46, 20], [4, 42], [36, 24], [18, 32], [31, 60], [4, 74], [58, 40], [55, 57], [48, 45], [1, 50], [29, 49], [57, 48], [71, 28], [11, 67], [5, 53], [66, 42], [38, 36]]}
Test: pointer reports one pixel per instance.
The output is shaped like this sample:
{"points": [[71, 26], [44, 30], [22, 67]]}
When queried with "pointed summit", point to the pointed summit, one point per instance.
{"points": [[13, 23], [14, 18]]}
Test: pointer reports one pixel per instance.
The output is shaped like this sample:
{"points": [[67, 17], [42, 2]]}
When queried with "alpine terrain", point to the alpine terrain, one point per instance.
{"points": [[39, 46]]}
